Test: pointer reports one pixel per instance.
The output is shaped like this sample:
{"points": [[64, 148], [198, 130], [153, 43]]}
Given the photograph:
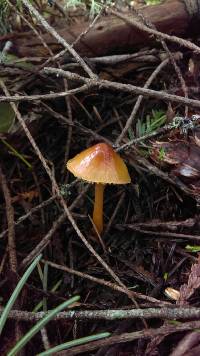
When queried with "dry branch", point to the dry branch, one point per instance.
{"points": [[127, 337], [10, 219], [113, 314], [106, 84]]}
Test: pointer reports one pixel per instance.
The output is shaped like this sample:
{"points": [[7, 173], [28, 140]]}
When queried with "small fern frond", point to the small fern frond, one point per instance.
{"points": [[151, 123]]}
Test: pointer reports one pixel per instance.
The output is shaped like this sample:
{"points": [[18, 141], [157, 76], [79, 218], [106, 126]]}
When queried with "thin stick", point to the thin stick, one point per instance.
{"points": [[108, 284], [40, 206], [106, 84], [127, 337], [162, 233], [10, 220], [139, 100], [47, 238], [76, 124], [161, 35], [30, 212], [118, 206], [101, 84], [113, 314], [11, 236], [80, 37], [16, 98], [149, 24], [69, 130]]}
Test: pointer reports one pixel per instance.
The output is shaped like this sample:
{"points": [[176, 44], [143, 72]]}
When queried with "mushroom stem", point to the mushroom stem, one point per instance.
{"points": [[98, 207]]}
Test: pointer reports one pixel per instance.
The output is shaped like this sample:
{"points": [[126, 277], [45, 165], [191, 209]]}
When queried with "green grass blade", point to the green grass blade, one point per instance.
{"points": [[67, 345], [37, 327], [44, 283], [16, 292], [16, 153], [39, 268], [54, 289]]}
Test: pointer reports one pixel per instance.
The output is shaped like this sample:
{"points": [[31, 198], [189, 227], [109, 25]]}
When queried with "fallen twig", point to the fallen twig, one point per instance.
{"points": [[106, 84], [114, 314], [10, 220], [160, 233], [141, 26], [47, 238], [127, 337], [108, 284], [139, 100]]}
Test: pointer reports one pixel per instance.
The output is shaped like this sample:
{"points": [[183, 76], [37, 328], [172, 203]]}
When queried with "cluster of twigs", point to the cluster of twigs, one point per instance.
{"points": [[79, 97]]}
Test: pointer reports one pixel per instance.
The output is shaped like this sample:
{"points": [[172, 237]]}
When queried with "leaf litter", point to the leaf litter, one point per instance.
{"points": [[147, 263]]}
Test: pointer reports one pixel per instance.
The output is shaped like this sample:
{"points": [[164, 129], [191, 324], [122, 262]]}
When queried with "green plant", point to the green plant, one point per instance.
{"points": [[16, 153], [152, 2], [165, 276], [16, 292], [152, 122], [7, 117], [4, 13], [43, 276], [195, 248], [39, 325], [161, 154], [67, 345], [94, 6]]}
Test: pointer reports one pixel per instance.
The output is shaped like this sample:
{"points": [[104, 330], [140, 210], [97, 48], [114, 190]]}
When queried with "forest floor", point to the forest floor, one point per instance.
{"points": [[139, 281]]}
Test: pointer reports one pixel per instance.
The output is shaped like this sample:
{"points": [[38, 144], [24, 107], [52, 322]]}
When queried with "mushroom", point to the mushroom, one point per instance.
{"points": [[99, 164]]}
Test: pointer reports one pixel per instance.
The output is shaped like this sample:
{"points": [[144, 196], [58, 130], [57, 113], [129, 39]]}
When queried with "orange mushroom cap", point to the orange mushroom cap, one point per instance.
{"points": [[99, 164]]}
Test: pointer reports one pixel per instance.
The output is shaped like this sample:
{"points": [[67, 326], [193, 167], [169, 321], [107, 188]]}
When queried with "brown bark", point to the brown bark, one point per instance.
{"points": [[111, 34]]}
